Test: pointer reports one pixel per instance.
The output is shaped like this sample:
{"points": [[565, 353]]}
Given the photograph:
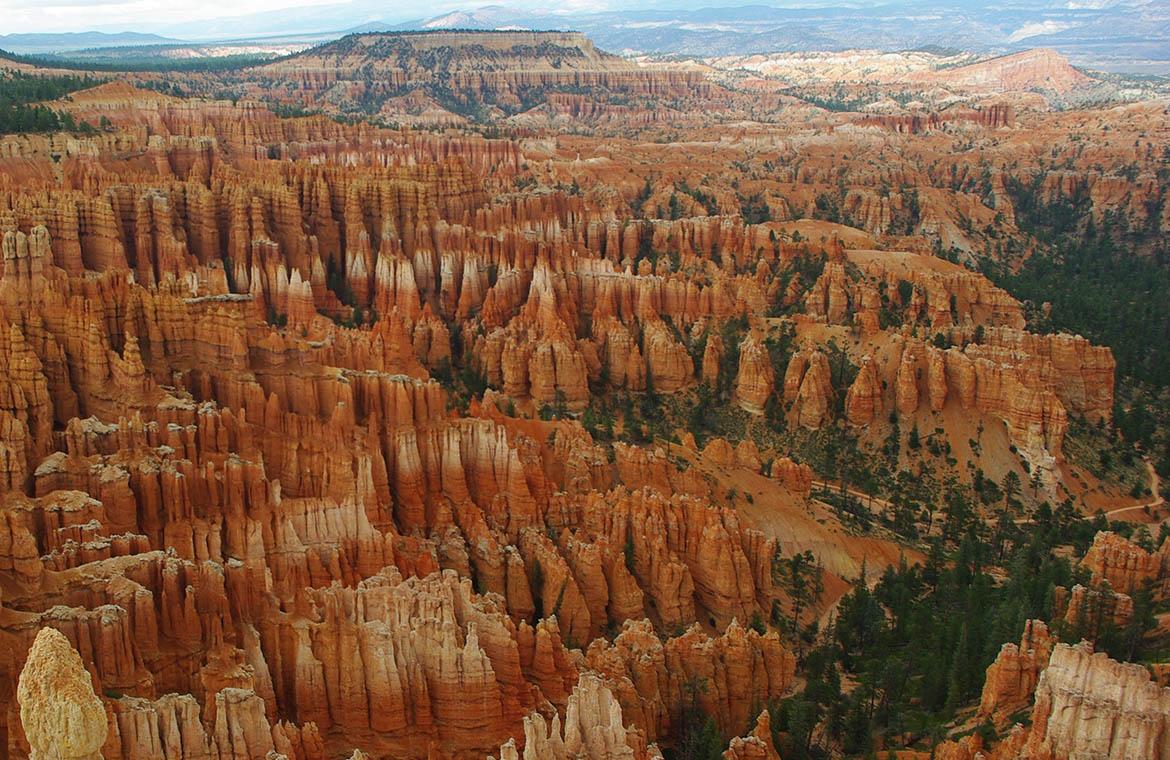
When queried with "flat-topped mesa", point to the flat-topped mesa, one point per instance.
{"points": [[501, 69], [472, 50]]}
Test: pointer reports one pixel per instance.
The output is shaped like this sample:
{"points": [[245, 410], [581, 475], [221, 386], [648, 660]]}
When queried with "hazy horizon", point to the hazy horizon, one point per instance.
{"points": [[1129, 36], [221, 19], [115, 16]]}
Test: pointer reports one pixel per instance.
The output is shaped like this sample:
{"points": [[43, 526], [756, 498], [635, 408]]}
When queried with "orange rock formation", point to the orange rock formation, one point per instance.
{"points": [[313, 438]]}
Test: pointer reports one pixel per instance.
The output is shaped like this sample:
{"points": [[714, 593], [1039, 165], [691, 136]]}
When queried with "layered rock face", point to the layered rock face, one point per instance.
{"points": [[1031, 69], [1089, 706], [1083, 705], [994, 117], [408, 75], [1030, 383], [1011, 680], [1127, 567]]}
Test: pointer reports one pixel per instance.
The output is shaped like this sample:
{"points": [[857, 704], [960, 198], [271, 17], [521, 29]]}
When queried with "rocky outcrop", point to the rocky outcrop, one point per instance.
{"points": [[863, 402], [808, 388], [712, 356], [1011, 679], [906, 383], [754, 379], [757, 745], [62, 717], [793, 476], [1090, 611], [319, 435], [996, 116], [1030, 382], [593, 728], [668, 365], [1124, 565], [1037, 69], [1088, 705], [650, 677], [829, 298], [923, 290]]}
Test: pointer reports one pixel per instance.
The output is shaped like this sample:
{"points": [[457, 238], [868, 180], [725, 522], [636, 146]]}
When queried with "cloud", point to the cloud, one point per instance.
{"points": [[136, 15], [1036, 28]]}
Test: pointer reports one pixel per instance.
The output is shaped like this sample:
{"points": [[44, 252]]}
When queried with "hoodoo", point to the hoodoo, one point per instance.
{"points": [[474, 391]]}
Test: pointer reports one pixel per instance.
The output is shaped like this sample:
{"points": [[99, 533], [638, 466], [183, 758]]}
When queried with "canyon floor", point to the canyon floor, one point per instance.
{"points": [[453, 395]]}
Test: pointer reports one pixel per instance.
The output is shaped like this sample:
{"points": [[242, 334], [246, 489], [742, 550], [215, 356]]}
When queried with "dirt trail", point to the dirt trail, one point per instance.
{"points": [[1154, 503], [868, 499], [1156, 500]]}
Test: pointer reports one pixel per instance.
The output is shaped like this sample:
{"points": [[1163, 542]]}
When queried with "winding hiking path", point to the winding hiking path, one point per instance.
{"points": [[1155, 502]]}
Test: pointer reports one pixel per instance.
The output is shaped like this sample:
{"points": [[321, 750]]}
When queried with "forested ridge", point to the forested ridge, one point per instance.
{"points": [[20, 95], [1108, 282], [1105, 281]]}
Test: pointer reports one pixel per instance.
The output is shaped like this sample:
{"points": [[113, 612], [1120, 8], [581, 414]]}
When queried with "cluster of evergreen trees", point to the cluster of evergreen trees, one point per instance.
{"points": [[1107, 281], [917, 645], [20, 92], [151, 58], [1104, 289]]}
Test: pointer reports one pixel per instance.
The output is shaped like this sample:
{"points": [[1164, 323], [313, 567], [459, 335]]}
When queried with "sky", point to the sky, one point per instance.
{"points": [[171, 16], [189, 19], [124, 15], [227, 19]]}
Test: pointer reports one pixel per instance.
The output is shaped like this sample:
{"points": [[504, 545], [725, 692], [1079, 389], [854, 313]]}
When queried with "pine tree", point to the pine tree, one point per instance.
{"points": [[800, 577]]}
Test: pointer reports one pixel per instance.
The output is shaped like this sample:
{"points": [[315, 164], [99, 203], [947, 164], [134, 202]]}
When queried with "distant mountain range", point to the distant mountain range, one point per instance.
{"points": [[1121, 35], [1132, 36], [50, 43]]}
